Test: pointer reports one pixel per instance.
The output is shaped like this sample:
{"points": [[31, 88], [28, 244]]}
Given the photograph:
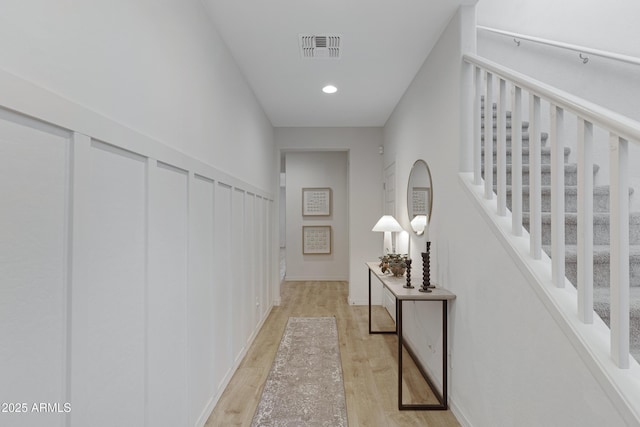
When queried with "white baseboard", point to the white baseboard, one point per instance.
{"points": [[206, 413], [458, 413]]}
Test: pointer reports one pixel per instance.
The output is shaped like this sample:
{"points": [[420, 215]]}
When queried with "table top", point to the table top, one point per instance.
{"points": [[396, 287]]}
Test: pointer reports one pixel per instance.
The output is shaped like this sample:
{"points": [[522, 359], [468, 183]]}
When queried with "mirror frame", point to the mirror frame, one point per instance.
{"points": [[416, 164]]}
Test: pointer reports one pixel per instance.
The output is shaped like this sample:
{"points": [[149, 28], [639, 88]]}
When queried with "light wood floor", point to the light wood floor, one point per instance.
{"points": [[368, 363]]}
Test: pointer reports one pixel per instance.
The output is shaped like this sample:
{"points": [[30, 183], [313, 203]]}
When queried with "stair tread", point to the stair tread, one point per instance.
{"points": [[634, 291], [544, 148], [545, 152], [598, 217], [525, 135], [571, 189], [600, 252], [546, 167]]}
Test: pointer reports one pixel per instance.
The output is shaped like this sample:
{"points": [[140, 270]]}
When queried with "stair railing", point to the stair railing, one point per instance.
{"points": [[517, 37], [491, 83]]}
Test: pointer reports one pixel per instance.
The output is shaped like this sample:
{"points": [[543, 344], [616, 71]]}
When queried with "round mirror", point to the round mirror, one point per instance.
{"points": [[419, 197]]}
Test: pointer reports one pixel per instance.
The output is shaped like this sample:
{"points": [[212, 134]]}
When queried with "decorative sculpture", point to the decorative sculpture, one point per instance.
{"points": [[408, 285], [426, 280]]}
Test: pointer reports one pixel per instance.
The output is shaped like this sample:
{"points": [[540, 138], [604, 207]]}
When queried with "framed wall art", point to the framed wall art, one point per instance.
{"points": [[316, 239], [316, 201], [420, 200]]}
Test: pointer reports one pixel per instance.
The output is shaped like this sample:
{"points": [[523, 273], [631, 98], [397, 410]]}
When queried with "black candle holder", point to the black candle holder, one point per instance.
{"points": [[408, 285], [426, 273]]}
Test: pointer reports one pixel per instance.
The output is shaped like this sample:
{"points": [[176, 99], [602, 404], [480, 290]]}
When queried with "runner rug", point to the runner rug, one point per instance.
{"points": [[304, 386]]}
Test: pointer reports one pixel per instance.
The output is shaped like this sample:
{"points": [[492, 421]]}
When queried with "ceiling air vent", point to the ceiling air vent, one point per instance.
{"points": [[320, 46]]}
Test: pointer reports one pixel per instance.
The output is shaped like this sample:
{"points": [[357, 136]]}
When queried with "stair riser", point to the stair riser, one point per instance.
{"points": [[494, 116], [525, 140], [545, 157], [570, 178], [601, 232], [600, 202], [601, 273], [525, 126]]}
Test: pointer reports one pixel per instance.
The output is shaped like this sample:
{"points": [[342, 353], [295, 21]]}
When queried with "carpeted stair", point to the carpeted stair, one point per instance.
{"points": [[600, 225]]}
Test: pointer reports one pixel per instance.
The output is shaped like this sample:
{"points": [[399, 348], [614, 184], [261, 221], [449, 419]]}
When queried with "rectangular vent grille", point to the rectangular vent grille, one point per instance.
{"points": [[323, 46]]}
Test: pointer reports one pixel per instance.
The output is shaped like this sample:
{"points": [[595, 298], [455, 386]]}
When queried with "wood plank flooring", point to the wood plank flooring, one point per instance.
{"points": [[368, 362]]}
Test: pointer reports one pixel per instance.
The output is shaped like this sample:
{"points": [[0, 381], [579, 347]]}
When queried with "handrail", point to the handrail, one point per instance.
{"points": [[576, 48], [621, 125]]}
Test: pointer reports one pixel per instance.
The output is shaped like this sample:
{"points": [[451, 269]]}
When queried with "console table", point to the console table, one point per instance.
{"points": [[396, 286]]}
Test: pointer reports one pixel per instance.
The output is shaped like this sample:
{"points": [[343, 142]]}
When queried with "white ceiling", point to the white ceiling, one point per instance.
{"points": [[384, 43]]}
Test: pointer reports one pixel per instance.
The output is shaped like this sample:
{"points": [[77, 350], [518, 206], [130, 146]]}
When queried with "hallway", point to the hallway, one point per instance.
{"points": [[368, 363], [141, 162]]}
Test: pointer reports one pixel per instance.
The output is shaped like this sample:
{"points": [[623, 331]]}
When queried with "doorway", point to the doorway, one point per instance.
{"points": [[316, 244]]}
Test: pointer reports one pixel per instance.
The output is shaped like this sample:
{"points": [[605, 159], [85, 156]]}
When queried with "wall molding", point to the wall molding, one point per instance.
{"points": [[97, 146], [25, 99]]}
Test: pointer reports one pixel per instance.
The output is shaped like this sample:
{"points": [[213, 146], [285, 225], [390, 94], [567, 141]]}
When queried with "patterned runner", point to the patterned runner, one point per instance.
{"points": [[304, 386]]}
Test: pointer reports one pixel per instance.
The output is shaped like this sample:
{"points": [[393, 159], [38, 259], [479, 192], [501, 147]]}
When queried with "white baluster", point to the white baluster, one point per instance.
{"points": [[535, 201], [488, 139], [585, 221], [477, 128], [619, 258], [501, 155], [557, 196], [467, 118], [516, 161]]}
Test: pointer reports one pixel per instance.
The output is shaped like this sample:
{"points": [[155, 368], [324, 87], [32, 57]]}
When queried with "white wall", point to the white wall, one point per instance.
{"points": [[606, 82], [510, 363], [137, 249], [364, 190], [609, 26], [159, 68], [326, 169]]}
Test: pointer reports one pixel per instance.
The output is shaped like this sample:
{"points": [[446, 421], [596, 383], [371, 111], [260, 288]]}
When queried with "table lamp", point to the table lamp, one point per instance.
{"points": [[387, 224]]}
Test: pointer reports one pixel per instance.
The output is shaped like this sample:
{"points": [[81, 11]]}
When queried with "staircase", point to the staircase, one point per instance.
{"points": [[600, 225]]}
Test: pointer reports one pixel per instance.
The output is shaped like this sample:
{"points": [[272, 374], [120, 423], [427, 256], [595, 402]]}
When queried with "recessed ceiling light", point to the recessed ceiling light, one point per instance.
{"points": [[330, 89]]}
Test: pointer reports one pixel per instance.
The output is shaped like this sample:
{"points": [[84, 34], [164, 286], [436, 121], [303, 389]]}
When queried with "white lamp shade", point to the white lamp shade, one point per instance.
{"points": [[419, 224], [387, 223]]}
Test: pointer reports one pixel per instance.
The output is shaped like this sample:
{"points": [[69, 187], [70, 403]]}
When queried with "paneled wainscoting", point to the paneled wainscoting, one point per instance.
{"points": [[133, 278]]}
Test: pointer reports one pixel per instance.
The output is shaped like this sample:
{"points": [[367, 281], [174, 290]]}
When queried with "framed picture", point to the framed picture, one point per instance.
{"points": [[420, 199], [316, 201], [316, 239]]}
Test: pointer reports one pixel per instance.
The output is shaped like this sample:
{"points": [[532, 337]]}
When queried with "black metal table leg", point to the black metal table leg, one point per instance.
{"points": [[399, 326], [370, 330], [442, 398], [445, 350], [369, 301]]}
